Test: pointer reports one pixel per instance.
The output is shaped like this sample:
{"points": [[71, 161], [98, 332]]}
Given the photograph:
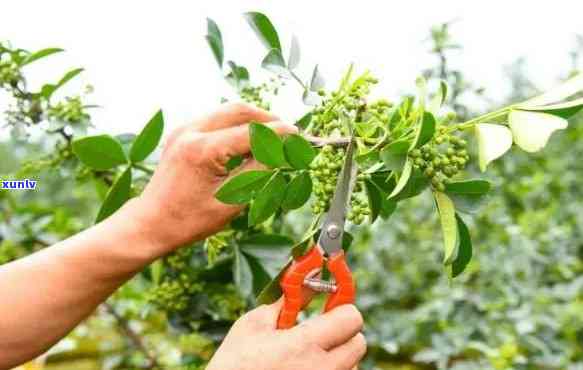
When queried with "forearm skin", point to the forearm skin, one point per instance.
{"points": [[45, 295]]}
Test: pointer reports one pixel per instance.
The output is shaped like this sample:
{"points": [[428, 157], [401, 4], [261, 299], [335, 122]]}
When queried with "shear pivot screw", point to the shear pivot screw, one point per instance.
{"points": [[333, 231]]}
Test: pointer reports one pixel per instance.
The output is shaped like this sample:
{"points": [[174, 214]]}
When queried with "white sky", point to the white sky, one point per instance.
{"points": [[142, 55]]}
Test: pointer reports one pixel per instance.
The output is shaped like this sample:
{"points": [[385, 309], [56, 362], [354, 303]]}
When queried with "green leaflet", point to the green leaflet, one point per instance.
{"points": [[266, 146], [299, 153], [39, 55], [403, 178], [243, 187], [264, 29], [147, 141], [101, 152], [268, 200], [464, 255], [116, 196], [294, 53], [215, 41], [426, 130], [298, 191], [448, 220], [394, 155], [242, 274], [375, 199], [274, 62], [48, 89]]}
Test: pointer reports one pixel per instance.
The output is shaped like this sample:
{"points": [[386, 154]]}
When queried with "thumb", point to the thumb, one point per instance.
{"points": [[266, 315]]}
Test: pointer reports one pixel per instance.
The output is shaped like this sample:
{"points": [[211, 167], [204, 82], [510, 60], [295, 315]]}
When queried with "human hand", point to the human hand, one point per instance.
{"points": [[178, 204], [331, 341]]}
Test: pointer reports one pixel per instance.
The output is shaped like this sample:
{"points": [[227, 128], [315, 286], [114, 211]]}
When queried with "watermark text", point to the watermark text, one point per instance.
{"points": [[25, 184]]}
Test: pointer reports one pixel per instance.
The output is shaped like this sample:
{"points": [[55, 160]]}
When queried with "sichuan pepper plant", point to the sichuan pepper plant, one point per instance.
{"points": [[403, 148]]}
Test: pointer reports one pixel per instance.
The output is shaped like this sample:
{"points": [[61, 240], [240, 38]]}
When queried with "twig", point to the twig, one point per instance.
{"points": [[321, 141], [134, 338]]}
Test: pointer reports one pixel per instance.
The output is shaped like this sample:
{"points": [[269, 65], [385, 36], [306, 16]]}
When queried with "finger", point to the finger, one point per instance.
{"points": [[265, 316], [232, 114], [348, 355], [235, 140], [332, 328]]}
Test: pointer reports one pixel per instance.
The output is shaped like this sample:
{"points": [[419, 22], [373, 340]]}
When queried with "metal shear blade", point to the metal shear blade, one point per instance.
{"points": [[333, 226]]}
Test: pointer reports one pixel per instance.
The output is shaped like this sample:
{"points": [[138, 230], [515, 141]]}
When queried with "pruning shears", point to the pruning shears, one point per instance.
{"points": [[304, 270]]}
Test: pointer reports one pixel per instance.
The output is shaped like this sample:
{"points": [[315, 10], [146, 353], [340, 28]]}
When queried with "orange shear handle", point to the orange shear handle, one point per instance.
{"points": [[293, 278]]}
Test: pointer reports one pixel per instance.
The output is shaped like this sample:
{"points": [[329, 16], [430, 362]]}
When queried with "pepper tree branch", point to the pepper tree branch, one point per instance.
{"points": [[134, 337]]}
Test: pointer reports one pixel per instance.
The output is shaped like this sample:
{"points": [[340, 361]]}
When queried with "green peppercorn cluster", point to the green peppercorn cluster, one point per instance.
{"points": [[72, 111], [257, 95], [359, 207], [339, 110], [10, 74], [338, 114], [175, 291], [441, 159], [325, 169], [175, 294]]}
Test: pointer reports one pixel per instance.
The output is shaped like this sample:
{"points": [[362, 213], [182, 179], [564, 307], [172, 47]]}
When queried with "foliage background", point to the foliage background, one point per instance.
{"points": [[517, 306]]}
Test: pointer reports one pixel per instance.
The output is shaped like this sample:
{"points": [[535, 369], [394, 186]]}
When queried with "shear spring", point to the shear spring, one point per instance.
{"points": [[320, 286]]}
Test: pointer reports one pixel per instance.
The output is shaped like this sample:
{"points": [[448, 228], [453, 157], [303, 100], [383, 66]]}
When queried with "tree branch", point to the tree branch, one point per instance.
{"points": [[134, 338]]}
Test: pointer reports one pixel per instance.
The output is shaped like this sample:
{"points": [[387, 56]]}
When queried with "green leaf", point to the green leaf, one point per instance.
{"points": [[298, 152], [464, 255], [388, 208], [305, 120], [261, 277], [264, 29], [116, 196], [234, 162], [272, 291], [384, 181], [268, 200], [531, 131], [475, 187], [317, 82], [425, 132], [242, 275], [558, 93], [447, 217], [468, 195], [438, 99], [417, 183], [298, 192], [39, 55], [100, 152], [294, 53], [275, 63], [215, 41], [300, 248], [564, 110], [238, 77], [48, 89], [126, 141], [242, 188], [148, 139], [266, 145], [375, 199], [403, 178], [401, 112], [270, 250], [156, 271], [394, 155], [493, 141]]}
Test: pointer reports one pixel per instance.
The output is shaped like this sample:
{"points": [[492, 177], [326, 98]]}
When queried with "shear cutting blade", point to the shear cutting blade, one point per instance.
{"points": [[333, 225]]}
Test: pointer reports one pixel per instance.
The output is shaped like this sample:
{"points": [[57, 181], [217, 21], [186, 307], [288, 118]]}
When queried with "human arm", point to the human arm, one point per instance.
{"points": [[45, 295]]}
